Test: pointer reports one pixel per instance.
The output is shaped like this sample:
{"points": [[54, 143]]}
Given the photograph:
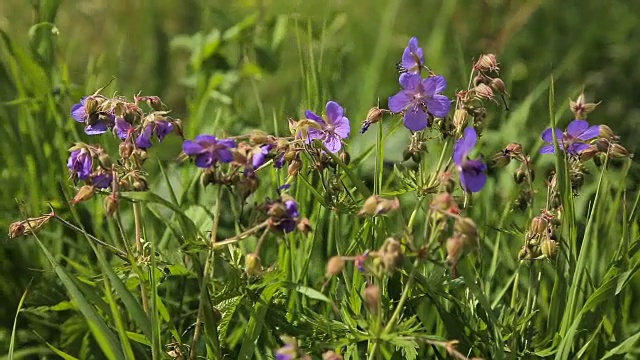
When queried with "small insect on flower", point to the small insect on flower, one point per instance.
{"points": [[417, 98], [333, 127], [573, 140], [472, 172], [208, 150]]}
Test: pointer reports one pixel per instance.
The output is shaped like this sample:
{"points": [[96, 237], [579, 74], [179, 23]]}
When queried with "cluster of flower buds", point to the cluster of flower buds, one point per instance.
{"points": [[541, 241]]}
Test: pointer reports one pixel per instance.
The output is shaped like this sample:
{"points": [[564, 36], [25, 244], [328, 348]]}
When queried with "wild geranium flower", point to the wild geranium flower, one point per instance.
{"points": [[259, 158], [472, 172], [412, 58], [283, 214], [419, 97], [95, 124], [573, 141], [80, 164], [161, 128], [122, 127], [333, 128], [102, 180], [208, 150]]}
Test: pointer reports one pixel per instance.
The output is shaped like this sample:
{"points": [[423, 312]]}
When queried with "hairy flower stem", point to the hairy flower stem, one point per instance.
{"points": [[241, 236], [207, 274], [138, 225]]}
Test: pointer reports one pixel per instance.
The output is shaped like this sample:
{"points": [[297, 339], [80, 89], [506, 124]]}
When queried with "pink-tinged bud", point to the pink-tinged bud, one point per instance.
{"points": [[334, 266], [111, 204], [538, 225], [391, 254], [483, 91], [371, 298], [498, 86], [304, 226], [487, 62], [126, 149], [252, 265], [513, 149], [370, 205], [454, 248], [549, 248], [85, 193], [17, 229], [330, 355], [374, 115], [444, 202], [386, 206], [28, 226]]}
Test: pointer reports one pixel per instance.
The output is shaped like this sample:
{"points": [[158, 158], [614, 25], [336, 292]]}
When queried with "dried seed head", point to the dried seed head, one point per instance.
{"points": [[334, 266], [487, 62], [483, 91]]}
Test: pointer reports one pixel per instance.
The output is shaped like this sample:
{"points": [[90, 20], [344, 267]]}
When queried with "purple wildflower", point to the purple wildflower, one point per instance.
{"points": [[288, 223], [144, 139], [278, 162], [95, 124], [412, 58], [122, 127], [573, 141], [259, 158], [80, 164], [208, 150], [102, 180], [162, 129], [334, 127], [472, 172], [419, 97]]}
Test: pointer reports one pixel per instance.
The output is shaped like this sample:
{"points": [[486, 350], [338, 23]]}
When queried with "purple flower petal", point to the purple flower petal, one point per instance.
{"points": [[96, 129], [333, 143], [163, 128], [548, 136], [400, 101], [102, 180], [204, 160], [78, 112], [576, 148], [577, 127], [227, 142], [434, 85], [473, 176], [191, 147], [292, 208], [342, 127], [122, 127], [591, 133], [144, 139], [464, 145], [205, 139], [415, 119], [411, 82], [278, 162], [547, 149], [313, 116], [335, 112], [224, 154], [439, 105], [412, 57]]}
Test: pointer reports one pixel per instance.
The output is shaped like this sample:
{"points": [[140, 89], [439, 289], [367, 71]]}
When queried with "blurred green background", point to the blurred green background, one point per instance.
{"points": [[256, 63]]}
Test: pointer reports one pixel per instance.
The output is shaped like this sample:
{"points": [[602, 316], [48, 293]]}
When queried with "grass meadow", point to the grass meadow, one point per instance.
{"points": [[193, 179]]}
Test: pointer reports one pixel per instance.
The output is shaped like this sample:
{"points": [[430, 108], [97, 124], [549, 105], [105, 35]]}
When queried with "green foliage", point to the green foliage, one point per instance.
{"points": [[81, 289]]}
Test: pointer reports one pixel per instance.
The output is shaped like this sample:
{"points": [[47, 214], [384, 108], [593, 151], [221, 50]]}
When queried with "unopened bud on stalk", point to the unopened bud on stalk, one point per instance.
{"points": [[483, 91], [207, 177], [377, 205], [391, 254], [125, 149], [466, 227], [607, 133], [500, 160], [91, 104], [549, 248], [330, 355], [105, 161], [334, 266], [588, 153], [110, 204], [513, 149], [454, 248], [252, 265], [139, 184], [85, 193], [294, 167], [258, 137], [498, 86], [460, 117], [17, 229], [372, 298], [520, 175], [345, 157], [444, 202], [304, 226], [618, 151], [581, 108]]}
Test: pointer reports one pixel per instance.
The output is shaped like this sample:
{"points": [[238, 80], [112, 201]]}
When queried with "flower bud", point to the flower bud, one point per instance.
{"points": [[454, 248], [520, 175], [513, 149], [304, 226], [480, 79], [538, 225], [465, 226], [125, 149], [588, 153], [444, 202], [581, 108], [487, 62], [374, 115], [370, 205], [500, 160], [607, 133], [140, 154], [406, 154], [17, 229], [416, 156], [105, 161], [460, 117], [258, 137], [110, 204], [483, 91], [91, 104], [207, 177], [345, 157], [330, 355], [334, 266], [294, 167], [85, 193], [524, 253], [385, 206], [139, 184], [618, 151], [391, 254], [252, 265], [498, 86], [371, 297], [446, 182], [549, 248]]}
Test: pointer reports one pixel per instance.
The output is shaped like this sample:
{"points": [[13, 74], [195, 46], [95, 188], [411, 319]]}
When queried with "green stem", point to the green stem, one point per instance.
{"points": [[137, 219], [403, 298]]}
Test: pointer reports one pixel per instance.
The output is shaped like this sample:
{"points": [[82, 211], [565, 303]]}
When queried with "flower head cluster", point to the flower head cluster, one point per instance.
{"points": [[472, 172], [573, 141], [419, 97]]}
